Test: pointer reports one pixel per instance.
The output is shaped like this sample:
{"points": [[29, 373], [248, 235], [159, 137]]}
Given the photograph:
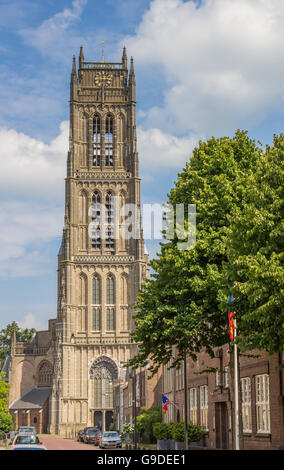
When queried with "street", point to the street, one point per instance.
{"points": [[59, 443]]}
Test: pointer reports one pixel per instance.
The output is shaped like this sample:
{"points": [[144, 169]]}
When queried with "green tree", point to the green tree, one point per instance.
{"points": [[255, 255], [6, 422], [145, 421], [180, 306], [4, 390], [6, 334]]}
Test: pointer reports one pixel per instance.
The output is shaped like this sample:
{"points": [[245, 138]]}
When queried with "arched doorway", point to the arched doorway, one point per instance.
{"points": [[98, 419], [103, 373], [109, 420]]}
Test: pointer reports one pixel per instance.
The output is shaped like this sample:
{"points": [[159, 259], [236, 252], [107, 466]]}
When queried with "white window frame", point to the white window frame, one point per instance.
{"points": [[204, 406], [246, 404], [262, 404], [193, 405], [226, 377]]}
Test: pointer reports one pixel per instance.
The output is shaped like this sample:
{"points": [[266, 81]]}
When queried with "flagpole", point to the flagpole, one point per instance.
{"points": [[236, 381]]}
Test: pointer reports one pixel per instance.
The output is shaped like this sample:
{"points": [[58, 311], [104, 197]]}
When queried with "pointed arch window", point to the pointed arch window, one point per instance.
{"points": [[110, 301], [110, 290], [109, 222], [109, 141], [45, 375], [96, 290], [96, 301], [83, 290], [96, 221], [96, 141]]}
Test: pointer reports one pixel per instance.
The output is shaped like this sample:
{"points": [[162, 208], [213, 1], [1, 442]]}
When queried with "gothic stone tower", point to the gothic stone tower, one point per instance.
{"points": [[101, 263]]}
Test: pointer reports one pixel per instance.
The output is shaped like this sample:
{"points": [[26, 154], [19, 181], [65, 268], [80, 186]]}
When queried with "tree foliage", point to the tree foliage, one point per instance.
{"points": [[184, 306], [6, 334], [6, 422], [146, 419], [255, 255], [4, 390]]}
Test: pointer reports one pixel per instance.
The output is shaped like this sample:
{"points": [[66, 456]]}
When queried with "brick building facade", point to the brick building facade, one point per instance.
{"points": [[210, 398]]}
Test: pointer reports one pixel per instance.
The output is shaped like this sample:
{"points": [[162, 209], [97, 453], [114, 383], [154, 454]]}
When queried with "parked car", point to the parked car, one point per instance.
{"points": [[80, 435], [110, 439], [27, 441], [28, 429], [97, 439], [90, 435]]}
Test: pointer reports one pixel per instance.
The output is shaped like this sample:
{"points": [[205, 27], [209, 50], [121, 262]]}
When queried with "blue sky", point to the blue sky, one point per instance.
{"points": [[202, 68]]}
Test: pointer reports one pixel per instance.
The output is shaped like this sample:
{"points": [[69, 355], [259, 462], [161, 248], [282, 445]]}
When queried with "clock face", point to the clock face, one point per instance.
{"points": [[103, 78]]}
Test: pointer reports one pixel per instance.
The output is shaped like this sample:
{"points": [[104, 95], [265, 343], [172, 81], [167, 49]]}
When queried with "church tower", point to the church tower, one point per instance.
{"points": [[101, 262]]}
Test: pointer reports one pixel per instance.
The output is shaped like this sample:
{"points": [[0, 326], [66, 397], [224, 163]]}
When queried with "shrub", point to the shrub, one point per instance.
{"points": [[171, 429], [161, 430], [195, 432], [146, 420], [178, 432], [127, 428]]}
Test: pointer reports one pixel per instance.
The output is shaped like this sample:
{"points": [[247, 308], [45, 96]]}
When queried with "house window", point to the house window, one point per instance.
{"points": [[218, 378], [193, 405], [226, 376], [262, 403], [246, 403], [204, 406], [109, 141], [96, 141], [96, 221]]}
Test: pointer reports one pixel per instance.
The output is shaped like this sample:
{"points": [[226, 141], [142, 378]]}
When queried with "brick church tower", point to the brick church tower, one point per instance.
{"points": [[101, 262]]}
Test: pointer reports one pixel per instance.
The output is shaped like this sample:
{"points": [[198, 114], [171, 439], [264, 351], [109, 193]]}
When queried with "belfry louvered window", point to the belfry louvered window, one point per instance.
{"points": [[96, 221], [96, 141], [109, 141], [109, 222]]}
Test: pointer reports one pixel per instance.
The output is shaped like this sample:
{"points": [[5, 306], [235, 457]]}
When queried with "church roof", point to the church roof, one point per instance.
{"points": [[33, 398]]}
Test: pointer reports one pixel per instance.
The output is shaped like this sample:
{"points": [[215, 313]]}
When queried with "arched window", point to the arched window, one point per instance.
{"points": [[110, 290], [104, 373], [110, 301], [96, 300], [45, 375], [109, 222], [96, 221], [96, 290], [96, 141], [83, 292], [109, 140], [123, 290]]}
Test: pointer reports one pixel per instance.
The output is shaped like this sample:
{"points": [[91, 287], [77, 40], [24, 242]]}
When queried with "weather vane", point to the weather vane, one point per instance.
{"points": [[103, 53]]}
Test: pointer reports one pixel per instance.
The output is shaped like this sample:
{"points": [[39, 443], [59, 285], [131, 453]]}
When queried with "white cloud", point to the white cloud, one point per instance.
{"points": [[32, 168], [32, 207], [159, 150], [26, 228], [54, 30], [32, 321], [221, 61]]}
